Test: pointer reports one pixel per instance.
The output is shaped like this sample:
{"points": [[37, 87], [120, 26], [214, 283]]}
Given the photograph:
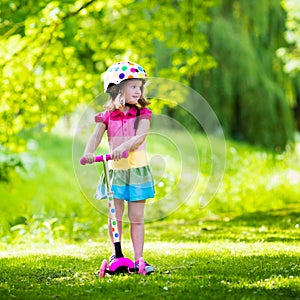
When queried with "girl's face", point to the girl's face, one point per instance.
{"points": [[133, 91]]}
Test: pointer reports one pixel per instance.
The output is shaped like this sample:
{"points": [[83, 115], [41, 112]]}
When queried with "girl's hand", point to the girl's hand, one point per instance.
{"points": [[117, 154], [89, 158]]}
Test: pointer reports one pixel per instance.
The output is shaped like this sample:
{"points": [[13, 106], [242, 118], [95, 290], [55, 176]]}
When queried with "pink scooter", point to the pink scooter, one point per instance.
{"points": [[119, 264]]}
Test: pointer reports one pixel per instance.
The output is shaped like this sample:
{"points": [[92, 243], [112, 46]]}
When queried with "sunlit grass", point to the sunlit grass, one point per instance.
{"points": [[189, 270]]}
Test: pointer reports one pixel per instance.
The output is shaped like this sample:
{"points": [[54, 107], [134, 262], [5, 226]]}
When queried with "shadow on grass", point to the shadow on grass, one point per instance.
{"points": [[281, 225], [279, 218]]}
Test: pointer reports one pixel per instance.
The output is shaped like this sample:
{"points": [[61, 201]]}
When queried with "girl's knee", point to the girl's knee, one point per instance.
{"points": [[136, 220], [136, 213]]}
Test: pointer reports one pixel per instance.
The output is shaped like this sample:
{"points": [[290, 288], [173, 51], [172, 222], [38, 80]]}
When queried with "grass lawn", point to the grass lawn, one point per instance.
{"points": [[253, 256], [243, 245]]}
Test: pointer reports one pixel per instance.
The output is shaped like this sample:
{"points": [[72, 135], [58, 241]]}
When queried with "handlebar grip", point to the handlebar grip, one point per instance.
{"points": [[102, 158], [83, 161]]}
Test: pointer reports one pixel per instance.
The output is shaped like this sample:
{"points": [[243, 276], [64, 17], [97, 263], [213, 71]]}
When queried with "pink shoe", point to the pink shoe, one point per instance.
{"points": [[142, 267]]}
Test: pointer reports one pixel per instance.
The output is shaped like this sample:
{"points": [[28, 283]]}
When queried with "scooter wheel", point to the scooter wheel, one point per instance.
{"points": [[142, 266], [103, 268]]}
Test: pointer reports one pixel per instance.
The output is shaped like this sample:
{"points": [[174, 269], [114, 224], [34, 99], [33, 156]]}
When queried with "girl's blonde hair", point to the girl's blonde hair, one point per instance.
{"points": [[117, 97]]}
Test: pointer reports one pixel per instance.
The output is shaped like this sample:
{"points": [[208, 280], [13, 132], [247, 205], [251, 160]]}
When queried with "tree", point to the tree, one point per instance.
{"points": [[290, 54], [42, 75], [248, 88], [52, 53]]}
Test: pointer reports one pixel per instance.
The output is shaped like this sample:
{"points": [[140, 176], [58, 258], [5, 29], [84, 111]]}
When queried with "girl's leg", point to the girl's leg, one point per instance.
{"points": [[136, 218], [119, 207]]}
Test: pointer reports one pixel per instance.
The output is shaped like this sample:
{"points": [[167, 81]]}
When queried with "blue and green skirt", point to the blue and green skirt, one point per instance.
{"points": [[131, 185]]}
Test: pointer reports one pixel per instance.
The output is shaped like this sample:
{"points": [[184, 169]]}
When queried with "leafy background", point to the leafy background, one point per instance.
{"points": [[241, 56]]}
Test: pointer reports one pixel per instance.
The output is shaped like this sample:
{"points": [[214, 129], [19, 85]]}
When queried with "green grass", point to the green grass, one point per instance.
{"points": [[204, 259], [243, 245]]}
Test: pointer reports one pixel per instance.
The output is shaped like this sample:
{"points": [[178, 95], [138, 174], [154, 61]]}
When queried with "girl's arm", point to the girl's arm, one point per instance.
{"points": [[134, 142], [94, 142]]}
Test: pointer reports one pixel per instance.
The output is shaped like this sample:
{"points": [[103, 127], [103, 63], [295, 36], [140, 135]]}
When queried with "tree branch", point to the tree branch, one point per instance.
{"points": [[73, 13]]}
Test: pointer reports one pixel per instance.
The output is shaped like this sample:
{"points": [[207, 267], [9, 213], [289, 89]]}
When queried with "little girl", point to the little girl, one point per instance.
{"points": [[127, 121]]}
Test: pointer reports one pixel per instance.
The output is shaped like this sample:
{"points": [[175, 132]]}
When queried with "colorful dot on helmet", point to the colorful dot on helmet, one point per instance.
{"points": [[121, 71]]}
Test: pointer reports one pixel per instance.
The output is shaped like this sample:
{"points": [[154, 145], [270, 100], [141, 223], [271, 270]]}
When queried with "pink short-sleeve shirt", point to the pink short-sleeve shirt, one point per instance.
{"points": [[120, 125]]}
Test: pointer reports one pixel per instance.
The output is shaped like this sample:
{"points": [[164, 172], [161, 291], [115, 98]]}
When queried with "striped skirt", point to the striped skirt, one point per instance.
{"points": [[131, 185]]}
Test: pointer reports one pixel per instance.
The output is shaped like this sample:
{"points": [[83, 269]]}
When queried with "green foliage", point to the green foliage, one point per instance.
{"points": [[42, 76], [9, 162], [256, 180], [291, 55], [52, 53], [248, 89]]}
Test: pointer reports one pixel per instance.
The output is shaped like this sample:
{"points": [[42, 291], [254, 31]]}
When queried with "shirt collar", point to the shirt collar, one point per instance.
{"points": [[132, 112]]}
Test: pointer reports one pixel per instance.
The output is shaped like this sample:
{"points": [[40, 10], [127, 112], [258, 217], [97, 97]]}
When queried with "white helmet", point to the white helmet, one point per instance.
{"points": [[121, 71]]}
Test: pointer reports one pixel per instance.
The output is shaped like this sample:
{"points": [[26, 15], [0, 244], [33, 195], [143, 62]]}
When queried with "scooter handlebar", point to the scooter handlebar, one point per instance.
{"points": [[102, 158]]}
